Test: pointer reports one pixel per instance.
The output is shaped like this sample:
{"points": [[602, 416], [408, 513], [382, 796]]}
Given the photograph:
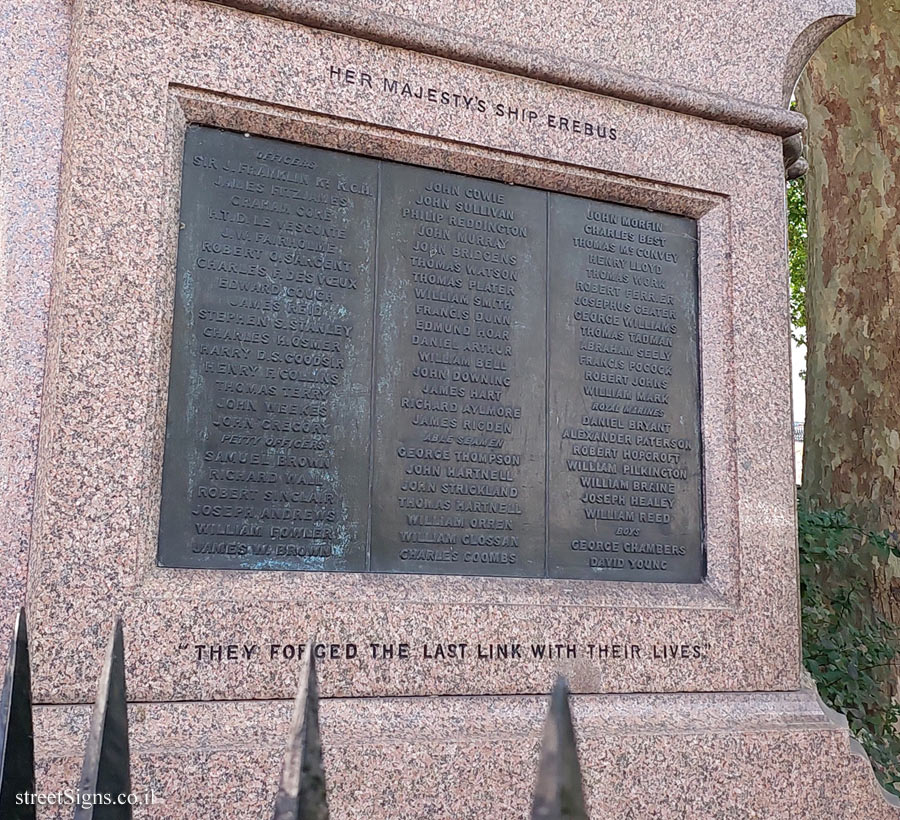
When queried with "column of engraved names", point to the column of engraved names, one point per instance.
{"points": [[461, 318], [273, 318], [628, 450]]}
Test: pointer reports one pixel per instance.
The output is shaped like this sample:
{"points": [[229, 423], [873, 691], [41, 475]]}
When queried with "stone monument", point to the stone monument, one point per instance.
{"points": [[452, 335]]}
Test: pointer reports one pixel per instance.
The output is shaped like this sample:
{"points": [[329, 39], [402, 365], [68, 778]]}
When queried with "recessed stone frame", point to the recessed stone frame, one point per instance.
{"points": [[175, 608]]}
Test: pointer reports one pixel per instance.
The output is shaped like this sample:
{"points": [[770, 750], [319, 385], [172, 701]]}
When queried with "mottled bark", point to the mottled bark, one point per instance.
{"points": [[850, 92]]}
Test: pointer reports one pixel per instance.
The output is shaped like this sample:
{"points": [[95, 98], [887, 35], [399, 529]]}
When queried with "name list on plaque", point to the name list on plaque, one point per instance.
{"points": [[388, 368]]}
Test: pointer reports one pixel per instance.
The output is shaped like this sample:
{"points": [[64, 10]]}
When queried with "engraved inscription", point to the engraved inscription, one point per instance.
{"points": [[624, 454], [382, 367], [459, 428], [268, 418]]}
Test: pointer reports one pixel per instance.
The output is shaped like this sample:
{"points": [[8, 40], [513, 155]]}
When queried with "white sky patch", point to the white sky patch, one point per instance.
{"points": [[798, 386]]}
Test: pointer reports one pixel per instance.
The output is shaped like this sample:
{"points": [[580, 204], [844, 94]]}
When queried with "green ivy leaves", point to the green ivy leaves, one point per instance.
{"points": [[797, 249], [848, 647]]}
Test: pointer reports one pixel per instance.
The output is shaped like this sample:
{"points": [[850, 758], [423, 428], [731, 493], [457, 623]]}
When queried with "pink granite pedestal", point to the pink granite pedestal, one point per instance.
{"points": [[776, 756], [725, 729]]}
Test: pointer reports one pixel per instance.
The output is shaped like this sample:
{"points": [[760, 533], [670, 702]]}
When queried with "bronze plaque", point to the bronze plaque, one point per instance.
{"points": [[459, 428], [268, 424], [624, 442], [381, 367]]}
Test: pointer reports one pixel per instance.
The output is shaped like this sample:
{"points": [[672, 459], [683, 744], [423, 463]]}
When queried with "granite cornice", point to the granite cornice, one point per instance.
{"points": [[561, 69]]}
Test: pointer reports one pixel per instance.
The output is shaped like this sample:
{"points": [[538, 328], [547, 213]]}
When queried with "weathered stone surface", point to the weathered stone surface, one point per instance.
{"points": [[98, 502], [736, 63], [688, 122], [33, 58], [776, 756]]}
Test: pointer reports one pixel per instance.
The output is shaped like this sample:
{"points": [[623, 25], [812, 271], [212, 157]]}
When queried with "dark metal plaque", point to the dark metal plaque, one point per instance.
{"points": [[382, 367], [266, 460], [459, 409], [624, 440]]}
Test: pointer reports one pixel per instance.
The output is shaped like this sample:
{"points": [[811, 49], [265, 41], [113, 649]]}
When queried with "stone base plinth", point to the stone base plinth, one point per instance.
{"points": [[762, 755]]}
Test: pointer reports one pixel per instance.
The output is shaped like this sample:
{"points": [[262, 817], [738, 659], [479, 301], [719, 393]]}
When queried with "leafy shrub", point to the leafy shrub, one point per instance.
{"points": [[797, 255], [848, 647]]}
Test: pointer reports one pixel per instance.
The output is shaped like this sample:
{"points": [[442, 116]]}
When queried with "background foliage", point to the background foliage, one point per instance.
{"points": [[847, 646], [797, 243]]}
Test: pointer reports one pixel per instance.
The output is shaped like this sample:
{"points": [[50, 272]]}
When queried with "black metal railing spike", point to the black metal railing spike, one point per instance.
{"points": [[107, 763], [301, 792], [16, 729], [558, 793]]}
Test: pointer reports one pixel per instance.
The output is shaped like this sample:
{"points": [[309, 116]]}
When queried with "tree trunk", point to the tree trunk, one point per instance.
{"points": [[850, 93]]}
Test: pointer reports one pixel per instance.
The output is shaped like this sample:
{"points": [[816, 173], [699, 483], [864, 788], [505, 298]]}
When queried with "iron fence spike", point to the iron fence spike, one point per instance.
{"points": [[107, 764], [558, 793], [301, 792], [16, 728]]}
